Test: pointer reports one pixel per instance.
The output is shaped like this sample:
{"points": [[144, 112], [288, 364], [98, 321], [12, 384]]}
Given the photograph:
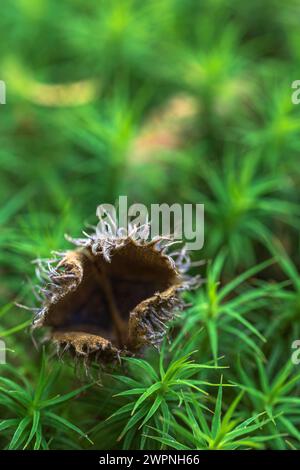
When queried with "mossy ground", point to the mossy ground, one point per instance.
{"points": [[181, 101]]}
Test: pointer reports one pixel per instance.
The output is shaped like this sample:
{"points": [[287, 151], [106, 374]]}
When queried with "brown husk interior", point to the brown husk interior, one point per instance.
{"points": [[113, 306]]}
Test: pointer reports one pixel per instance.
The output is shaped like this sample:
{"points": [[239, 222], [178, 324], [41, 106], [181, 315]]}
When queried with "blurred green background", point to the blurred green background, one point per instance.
{"points": [[163, 101]]}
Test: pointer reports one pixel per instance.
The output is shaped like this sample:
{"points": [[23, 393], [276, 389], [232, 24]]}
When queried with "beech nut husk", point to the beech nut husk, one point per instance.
{"points": [[111, 295]]}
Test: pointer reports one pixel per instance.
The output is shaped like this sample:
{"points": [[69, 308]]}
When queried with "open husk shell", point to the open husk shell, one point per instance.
{"points": [[111, 296]]}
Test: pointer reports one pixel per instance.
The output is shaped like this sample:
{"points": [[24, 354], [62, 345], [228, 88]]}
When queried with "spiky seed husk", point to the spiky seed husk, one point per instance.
{"points": [[112, 295]]}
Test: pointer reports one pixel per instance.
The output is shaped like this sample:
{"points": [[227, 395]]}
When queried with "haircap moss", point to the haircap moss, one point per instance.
{"points": [[113, 294]]}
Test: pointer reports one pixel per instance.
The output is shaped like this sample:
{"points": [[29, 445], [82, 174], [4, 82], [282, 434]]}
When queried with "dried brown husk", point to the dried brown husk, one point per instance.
{"points": [[111, 296]]}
